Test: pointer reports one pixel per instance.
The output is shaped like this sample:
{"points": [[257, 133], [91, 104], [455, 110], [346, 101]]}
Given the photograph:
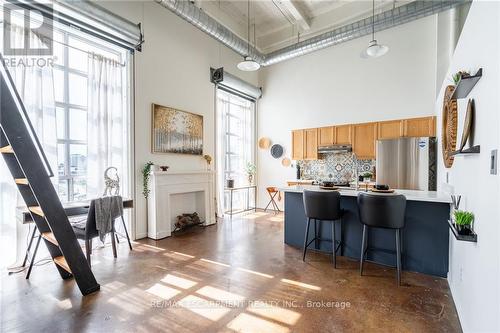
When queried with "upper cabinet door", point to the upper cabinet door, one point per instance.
{"points": [[311, 144], [326, 136], [392, 129], [343, 134], [298, 145], [418, 127], [364, 140]]}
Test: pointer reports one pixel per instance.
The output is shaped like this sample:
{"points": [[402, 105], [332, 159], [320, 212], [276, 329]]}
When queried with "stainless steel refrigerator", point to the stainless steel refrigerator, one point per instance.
{"points": [[407, 163]]}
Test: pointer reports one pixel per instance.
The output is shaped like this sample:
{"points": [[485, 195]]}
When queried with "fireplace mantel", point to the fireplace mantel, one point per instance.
{"points": [[168, 186]]}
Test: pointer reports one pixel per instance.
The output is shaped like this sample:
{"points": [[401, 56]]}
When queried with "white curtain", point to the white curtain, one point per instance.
{"points": [[222, 106], [107, 123], [35, 86]]}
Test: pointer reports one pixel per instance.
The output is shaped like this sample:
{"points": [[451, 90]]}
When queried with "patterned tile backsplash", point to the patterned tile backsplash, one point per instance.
{"points": [[335, 167]]}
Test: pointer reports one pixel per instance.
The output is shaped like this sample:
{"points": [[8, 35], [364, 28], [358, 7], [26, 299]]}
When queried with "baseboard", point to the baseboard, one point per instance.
{"points": [[141, 236]]}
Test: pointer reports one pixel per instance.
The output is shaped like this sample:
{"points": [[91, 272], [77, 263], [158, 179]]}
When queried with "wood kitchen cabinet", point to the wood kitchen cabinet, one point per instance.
{"points": [[343, 134], [311, 144], [326, 136], [391, 129], [417, 127], [298, 145], [364, 138]]}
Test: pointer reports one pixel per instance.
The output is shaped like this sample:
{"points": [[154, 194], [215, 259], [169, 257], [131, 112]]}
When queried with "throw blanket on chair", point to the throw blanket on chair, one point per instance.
{"points": [[107, 209]]}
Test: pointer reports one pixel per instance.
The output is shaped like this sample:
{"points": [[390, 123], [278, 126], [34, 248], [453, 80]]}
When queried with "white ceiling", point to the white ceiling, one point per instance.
{"points": [[276, 23]]}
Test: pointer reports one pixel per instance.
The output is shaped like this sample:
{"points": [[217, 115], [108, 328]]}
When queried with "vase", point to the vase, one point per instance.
{"points": [[250, 179]]}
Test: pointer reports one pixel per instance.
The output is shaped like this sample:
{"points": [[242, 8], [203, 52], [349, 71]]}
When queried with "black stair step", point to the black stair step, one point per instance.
{"points": [[36, 210], [21, 181], [50, 237], [6, 150], [61, 262]]}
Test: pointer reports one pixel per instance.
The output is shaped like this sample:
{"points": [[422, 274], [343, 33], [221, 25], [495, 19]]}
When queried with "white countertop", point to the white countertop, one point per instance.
{"points": [[413, 195]]}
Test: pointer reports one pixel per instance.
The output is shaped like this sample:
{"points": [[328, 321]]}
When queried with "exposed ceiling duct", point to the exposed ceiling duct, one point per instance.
{"points": [[385, 20]]}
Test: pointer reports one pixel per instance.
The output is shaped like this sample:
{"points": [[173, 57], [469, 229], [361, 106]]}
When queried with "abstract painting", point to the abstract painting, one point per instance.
{"points": [[176, 131]]}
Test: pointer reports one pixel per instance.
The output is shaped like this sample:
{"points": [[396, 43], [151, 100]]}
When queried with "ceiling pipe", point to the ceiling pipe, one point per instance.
{"points": [[385, 20], [197, 17]]}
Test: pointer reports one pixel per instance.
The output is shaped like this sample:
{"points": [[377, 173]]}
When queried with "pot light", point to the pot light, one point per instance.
{"points": [[248, 65], [374, 49]]}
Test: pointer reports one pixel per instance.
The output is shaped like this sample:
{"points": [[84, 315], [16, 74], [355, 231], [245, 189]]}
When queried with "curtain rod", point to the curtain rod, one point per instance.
{"points": [[44, 37]]}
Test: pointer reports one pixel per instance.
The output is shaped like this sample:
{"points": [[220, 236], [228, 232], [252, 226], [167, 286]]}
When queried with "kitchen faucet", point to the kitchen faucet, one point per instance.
{"points": [[356, 175]]}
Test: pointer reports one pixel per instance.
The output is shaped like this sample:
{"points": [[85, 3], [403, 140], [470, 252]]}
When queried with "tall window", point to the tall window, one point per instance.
{"points": [[70, 89], [238, 115]]}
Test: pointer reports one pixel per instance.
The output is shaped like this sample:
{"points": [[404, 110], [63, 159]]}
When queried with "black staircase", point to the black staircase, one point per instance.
{"points": [[28, 165]]}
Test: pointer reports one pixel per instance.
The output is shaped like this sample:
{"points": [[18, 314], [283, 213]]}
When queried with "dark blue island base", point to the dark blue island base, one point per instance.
{"points": [[425, 236]]}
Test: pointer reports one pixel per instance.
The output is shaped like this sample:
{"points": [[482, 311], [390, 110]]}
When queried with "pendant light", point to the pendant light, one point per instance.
{"points": [[248, 64], [374, 49]]}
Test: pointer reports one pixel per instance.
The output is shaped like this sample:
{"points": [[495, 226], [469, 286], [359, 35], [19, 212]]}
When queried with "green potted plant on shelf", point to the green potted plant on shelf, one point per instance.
{"points": [[367, 176], [463, 222], [250, 169], [458, 76]]}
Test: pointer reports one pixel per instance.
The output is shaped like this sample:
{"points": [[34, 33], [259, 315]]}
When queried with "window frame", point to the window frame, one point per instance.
{"points": [[66, 106]]}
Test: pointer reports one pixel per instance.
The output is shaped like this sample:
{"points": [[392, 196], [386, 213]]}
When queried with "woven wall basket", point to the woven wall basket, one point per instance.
{"points": [[450, 127]]}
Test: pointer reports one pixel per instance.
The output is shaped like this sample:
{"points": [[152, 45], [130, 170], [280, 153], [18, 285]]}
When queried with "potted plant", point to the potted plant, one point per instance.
{"points": [[250, 169], [367, 176], [463, 222], [459, 76], [146, 172]]}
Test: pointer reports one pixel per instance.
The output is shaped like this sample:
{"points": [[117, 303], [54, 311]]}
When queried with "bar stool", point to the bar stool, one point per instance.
{"points": [[382, 211], [322, 206], [273, 192]]}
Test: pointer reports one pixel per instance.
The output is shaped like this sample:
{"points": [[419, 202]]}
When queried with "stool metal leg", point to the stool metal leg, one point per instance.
{"points": [[29, 246], [32, 263], [363, 245], [88, 250], [398, 255], [126, 233], [334, 246], [305, 239], [316, 242], [341, 239]]}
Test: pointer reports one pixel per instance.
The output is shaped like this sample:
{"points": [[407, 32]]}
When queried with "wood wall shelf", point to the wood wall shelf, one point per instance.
{"points": [[471, 150], [466, 84], [466, 238]]}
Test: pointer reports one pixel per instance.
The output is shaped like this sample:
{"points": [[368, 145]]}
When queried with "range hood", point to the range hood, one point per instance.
{"points": [[335, 149]]}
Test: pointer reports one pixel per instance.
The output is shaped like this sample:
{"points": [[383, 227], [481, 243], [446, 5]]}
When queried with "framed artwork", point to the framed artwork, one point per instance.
{"points": [[176, 131]]}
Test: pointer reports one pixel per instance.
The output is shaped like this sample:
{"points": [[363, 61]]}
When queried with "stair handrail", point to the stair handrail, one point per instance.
{"points": [[26, 117]]}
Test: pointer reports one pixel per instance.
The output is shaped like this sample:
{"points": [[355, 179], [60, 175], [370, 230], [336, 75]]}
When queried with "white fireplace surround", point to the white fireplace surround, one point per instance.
{"points": [[165, 186]]}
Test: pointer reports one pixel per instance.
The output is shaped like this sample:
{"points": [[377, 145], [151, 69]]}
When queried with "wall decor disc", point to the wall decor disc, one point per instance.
{"points": [[264, 143], [286, 162], [449, 127], [469, 116], [276, 151]]}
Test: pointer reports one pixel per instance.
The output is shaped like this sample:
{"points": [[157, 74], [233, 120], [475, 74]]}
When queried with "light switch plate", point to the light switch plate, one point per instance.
{"points": [[493, 162]]}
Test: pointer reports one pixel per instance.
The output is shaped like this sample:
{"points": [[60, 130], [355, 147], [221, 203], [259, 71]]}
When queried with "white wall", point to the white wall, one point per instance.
{"points": [[336, 86], [474, 275], [171, 70]]}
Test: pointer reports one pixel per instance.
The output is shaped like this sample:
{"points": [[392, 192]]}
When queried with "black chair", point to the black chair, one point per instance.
{"points": [[322, 206], [382, 211], [86, 230]]}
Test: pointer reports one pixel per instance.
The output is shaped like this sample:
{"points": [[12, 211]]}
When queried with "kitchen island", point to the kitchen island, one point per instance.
{"points": [[424, 238]]}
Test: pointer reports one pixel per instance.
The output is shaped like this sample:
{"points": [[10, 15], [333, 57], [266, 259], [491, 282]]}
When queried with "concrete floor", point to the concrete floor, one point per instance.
{"points": [[236, 276]]}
